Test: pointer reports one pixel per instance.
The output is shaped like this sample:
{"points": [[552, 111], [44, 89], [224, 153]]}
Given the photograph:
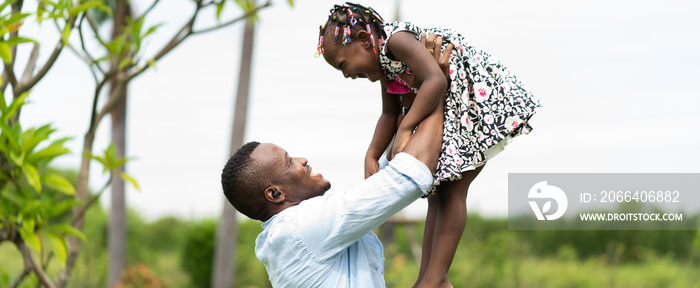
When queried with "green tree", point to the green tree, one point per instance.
{"points": [[122, 62], [224, 258]]}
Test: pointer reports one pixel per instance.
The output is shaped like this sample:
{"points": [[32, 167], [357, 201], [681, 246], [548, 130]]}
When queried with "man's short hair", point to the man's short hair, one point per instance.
{"points": [[244, 181]]}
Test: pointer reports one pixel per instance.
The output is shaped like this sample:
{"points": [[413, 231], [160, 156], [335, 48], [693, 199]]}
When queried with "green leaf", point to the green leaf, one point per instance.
{"points": [[14, 106], [291, 3], [111, 152], [31, 239], [151, 30], [125, 62], [32, 137], [98, 159], [74, 11], [9, 133], [128, 178], [29, 207], [59, 183], [134, 29], [69, 230], [18, 40], [119, 162], [17, 158], [32, 176], [5, 52], [40, 10], [152, 63], [47, 153], [16, 18], [12, 197], [57, 209], [29, 225], [5, 4], [219, 7], [65, 34], [58, 244], [4, 176], [3, 104]]}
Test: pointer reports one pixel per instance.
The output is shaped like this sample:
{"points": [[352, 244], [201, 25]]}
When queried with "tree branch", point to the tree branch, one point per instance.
{"points": [[246, 15], [98, 89], [114, 98], [8, 75], [186, 31], [10, 72], [46, 263], [40, 273], [25, 272], [21, 277], [31, 63], [93, 26], [83, 209], [153, 5], [82, 45], [176, 40], [45, 69]]}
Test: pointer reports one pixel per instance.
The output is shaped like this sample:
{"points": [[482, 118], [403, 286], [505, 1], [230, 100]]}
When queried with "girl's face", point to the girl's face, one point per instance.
{"points": [[356, 59]]}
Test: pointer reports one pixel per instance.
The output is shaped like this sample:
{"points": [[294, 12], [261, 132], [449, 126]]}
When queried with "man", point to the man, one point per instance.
{"points": [[314, 239]]}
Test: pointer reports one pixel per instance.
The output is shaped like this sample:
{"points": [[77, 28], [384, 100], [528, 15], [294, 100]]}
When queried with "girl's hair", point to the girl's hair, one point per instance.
{"points": [[352, 18]]}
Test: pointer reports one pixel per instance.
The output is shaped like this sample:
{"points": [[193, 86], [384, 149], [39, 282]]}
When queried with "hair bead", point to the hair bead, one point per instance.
{"points": [[335, 35], [346, 35], [371, 37], [320, 49], [356, 13], [353, 21]]}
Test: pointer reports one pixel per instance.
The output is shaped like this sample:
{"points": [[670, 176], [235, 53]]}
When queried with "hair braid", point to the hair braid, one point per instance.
{"points": [[353, 18]]}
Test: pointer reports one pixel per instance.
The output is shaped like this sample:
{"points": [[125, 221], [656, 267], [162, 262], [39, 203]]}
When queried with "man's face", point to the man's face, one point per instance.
{"points": [[292, 175]]}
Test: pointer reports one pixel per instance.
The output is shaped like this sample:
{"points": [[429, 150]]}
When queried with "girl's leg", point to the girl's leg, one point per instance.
{"points": [[449, 225], [428, 236]]}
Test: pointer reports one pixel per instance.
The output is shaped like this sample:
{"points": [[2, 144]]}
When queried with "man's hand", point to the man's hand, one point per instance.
{"points": [[371, 166], [433, 43]]}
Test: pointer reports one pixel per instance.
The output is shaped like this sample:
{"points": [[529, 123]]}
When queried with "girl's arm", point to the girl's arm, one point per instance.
{"points": [[384, 131], [404, 47]]}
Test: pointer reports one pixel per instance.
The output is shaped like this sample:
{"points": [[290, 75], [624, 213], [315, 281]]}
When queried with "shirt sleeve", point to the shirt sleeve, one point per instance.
{"points": [[330, 223]]}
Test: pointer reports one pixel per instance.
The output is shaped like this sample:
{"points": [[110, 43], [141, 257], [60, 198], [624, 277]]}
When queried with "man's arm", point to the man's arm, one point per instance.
{"points": [[330, 223]]}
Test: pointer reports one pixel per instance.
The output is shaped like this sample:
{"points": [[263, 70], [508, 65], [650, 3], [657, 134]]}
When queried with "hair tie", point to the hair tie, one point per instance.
{"points": [[353, 21]]}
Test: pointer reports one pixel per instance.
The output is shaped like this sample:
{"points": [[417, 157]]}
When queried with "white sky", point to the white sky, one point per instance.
{"points": [[616, 79]]}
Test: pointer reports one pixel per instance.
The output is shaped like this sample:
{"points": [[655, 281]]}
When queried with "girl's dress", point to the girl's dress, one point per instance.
{"points": [[486, 105]]}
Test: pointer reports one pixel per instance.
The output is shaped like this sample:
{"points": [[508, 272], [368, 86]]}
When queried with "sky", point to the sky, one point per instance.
{"points": [[616, 79]]}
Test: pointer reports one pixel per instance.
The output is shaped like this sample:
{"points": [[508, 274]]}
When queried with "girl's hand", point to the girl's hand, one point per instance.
{"points": [[371, 166]]}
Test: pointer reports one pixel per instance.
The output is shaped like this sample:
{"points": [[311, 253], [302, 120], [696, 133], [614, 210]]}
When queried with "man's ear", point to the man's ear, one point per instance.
{"points": [[364, 39], [274, 194]]}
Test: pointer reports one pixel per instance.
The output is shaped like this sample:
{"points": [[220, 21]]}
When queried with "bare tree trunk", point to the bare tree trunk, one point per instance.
{"points": [[117, 220], [223, 273], [82, 195]]}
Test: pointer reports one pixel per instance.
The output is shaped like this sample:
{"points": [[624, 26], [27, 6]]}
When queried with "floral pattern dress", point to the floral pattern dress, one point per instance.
{"points": [[485, 104]]}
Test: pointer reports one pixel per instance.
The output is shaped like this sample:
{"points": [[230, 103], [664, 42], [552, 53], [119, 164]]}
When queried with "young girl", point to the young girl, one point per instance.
{"points": [[484, 108]]}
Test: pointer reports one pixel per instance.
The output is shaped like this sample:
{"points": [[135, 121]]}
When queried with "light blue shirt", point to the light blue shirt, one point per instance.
{"points": [[327, 241]]}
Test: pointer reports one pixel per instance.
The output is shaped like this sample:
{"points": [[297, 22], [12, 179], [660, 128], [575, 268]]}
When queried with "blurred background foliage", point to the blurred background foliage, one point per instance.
{"points": [[174, 252]]}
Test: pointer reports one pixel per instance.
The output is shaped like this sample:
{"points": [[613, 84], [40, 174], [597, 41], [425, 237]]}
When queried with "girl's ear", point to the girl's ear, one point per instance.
{"points": [[274, 194], [364, 39]]}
